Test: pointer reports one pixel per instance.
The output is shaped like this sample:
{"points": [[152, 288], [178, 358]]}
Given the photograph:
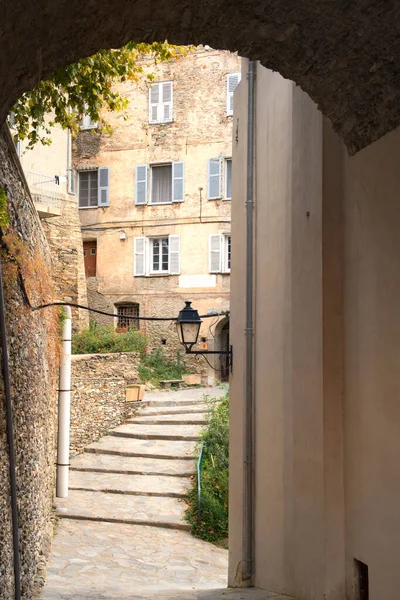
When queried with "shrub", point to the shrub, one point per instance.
{"points": [[99, 339], [213, 525], [157, 367]]}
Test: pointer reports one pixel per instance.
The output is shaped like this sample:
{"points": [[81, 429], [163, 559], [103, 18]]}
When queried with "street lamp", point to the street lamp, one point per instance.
{"points": [[188, 326]]}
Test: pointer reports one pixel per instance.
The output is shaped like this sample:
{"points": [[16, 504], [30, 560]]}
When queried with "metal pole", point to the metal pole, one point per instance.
{"points": [[248, 516], [64, 404], [10, 440]]}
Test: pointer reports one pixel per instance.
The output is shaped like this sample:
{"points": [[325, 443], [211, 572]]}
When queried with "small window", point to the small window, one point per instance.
{"points": [[227, 254], [84, 253], [232, 81], [93, 251], [161, 184], [228, 179], [159, 258], [86, 121], [219, 249], [160, 102], [128, 310], [88, 188]]}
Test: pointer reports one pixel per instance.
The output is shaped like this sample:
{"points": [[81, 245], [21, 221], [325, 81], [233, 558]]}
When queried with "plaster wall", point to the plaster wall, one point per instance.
{"points": [[325, 353]]}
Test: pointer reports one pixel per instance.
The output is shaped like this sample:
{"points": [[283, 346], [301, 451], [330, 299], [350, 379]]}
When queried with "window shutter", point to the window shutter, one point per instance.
{"points": [[139, 267], [103, 187], [167, 101], [141, 184], [71, 181], [154, 101], [233, 80], [178, 185], [214, 178], [215, 254], [174, 254]]}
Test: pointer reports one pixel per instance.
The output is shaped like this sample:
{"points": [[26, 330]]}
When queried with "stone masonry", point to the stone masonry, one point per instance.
{"points": [[98, 394], [33, 349]]}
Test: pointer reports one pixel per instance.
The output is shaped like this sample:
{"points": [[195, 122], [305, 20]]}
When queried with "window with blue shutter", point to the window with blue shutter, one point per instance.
{"points": [[178, 187], [214, 178], [103, 186], [141, 184], [161, 102]]}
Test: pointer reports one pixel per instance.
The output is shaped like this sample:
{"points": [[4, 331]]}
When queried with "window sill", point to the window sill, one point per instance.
{"points": [[160, 203], [87, 207], [212, 199], [158, 274], [161, 122]]}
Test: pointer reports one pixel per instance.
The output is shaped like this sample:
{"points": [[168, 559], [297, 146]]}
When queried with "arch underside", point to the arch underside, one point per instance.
{"points": [[345, 55]]}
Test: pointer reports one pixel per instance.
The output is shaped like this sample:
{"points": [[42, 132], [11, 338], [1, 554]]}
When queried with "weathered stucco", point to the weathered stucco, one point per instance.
{"points": [[33, 350], [344, 55]]}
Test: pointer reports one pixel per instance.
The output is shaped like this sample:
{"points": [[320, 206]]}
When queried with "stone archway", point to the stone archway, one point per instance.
{"points": [[344, 55]]}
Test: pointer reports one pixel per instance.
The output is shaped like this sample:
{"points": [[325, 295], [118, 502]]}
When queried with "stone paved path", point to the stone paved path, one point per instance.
{"points": [[121, 533]]}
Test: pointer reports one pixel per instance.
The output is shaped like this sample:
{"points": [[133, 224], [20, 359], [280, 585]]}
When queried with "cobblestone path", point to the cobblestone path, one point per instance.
{"points": [[121, 533]]}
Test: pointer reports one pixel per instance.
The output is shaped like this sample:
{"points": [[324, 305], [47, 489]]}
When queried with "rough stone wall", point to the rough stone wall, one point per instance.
{"points": [[98, 395], [65, 240], [33, 352]]}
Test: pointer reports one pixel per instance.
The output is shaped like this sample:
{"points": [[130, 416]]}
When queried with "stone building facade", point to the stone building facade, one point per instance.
{"points": [[155, 198]]}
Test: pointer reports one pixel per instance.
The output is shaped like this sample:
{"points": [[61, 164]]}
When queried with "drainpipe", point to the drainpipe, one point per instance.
{"points": [[248, 510], [10, 441], [64, 402]]}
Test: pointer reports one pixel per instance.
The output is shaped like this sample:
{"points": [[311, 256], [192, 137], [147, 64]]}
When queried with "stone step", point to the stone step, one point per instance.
{"points": [[135, 485], [105, 463], [122, 508], [146, 431], [177, 419], [165, 410], [169, 403], [146, 448]]}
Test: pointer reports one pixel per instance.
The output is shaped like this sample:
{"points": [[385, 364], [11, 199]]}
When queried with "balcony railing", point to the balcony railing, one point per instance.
{"points": [[45, 192]]}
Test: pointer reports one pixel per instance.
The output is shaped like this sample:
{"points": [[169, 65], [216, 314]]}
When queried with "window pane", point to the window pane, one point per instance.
{"points": [[125, 310], [161, 184], [165, 254], [156, 255], [93, 188], [83, 189], [228, 253], [229, 178]]}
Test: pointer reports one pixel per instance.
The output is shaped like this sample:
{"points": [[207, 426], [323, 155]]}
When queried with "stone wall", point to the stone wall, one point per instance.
{"points": [[98, 395], [33, 351], [65, 240]]}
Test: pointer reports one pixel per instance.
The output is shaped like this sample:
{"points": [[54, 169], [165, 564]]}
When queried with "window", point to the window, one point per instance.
{"points": [[228, 179], [87, 122], [94, 188], [161, 184], [157, 255], [214, 179], [220, 253], [160, 102], [167, 183], [232, 80], [128, 310]]}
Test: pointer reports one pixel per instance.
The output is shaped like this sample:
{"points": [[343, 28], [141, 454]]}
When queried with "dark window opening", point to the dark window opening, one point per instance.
{"points": [[362, 580], [127, 310]]}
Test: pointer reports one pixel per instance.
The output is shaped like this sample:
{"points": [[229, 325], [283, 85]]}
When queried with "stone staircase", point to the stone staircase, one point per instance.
{"points": [[140, 472]]}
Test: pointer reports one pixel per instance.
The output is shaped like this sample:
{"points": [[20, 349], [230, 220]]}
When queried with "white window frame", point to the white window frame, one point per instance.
{"points": [[226, 197], [151, 242], [229, 95], [160, 104], [226, 237], [222, 252]]}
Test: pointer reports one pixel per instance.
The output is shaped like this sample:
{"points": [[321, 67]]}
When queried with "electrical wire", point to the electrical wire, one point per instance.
{"points": [[102, 312]]}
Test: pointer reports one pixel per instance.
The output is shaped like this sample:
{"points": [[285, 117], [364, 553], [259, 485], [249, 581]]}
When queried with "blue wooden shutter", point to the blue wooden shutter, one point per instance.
{"points": [[141, 184], [103, 187], [214, 178], [178, 183]]}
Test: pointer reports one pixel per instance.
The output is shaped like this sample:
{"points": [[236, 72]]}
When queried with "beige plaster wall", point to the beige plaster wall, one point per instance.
{"points": [[325, 352]]}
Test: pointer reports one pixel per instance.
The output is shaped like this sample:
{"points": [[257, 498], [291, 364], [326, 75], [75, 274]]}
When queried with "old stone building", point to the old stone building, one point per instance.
{"points": [[155, 198]]}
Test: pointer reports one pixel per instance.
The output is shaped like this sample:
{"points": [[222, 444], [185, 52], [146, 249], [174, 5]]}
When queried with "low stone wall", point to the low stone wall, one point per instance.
{"points": [[98, 395]]}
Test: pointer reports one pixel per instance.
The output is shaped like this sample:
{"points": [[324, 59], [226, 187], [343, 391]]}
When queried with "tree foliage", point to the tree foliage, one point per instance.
{"points": [[86, 87]]}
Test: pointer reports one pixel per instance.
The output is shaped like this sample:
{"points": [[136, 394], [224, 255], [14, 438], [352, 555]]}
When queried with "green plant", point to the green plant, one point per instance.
{"points": [[157, 367], [213, 525], [4, 218], [103, 338]]}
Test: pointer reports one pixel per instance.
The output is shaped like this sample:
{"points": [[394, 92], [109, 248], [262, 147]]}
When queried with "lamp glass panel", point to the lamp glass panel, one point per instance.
{"points": [[190, 332]]}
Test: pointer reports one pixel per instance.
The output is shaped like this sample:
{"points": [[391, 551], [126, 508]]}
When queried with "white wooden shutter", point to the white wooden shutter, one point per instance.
{"points": [[166, 101], [139, 267], [215, 253], [214, 178], [174, 254], [141, 184], [154, 102], [232, 81], [178, 184], [103, 186]]}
